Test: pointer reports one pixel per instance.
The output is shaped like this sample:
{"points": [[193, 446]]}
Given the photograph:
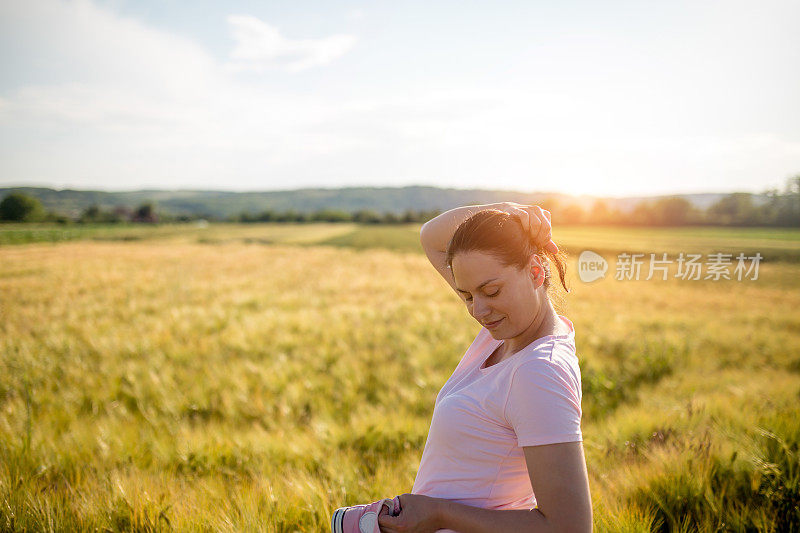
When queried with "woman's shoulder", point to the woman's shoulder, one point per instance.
{"points": [[558, 352], [555, 356], [557, 374], [563, 327], [555, 346]]}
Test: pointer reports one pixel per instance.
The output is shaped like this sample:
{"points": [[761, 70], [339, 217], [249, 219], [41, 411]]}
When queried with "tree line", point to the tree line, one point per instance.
{"points": [[18, 207], [781, 208]]}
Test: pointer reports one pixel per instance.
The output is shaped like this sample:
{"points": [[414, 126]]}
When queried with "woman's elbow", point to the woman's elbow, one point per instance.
{"points": [[576, 522]]}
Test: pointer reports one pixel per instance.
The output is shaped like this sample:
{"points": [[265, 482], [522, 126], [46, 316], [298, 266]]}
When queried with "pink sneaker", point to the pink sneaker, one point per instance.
{"points": [[363, 518]]}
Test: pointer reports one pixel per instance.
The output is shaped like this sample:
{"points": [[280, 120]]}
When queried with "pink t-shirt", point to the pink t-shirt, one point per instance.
{"points": [[483, 417]]}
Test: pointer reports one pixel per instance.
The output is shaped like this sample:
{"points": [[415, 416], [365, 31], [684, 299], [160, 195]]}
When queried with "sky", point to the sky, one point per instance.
{"points": [[613, 98]]}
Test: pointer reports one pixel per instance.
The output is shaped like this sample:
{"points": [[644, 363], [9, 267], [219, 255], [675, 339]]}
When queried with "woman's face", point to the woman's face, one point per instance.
{"points": [[504, 299]]}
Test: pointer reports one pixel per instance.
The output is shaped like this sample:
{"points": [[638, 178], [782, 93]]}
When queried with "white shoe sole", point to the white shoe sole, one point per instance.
{"points": [[338, 520]]}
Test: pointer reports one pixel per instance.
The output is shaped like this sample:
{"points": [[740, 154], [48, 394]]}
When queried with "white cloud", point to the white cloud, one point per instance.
{"points": [[80, 42], [99, 98], [355, 14], [260, 46], [118, 102]]}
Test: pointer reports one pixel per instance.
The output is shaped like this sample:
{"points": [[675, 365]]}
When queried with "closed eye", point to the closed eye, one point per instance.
{"points": [[495, 293]]}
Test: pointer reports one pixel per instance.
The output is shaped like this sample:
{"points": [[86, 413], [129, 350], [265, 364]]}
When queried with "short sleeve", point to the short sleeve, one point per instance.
{"points": [[544, 403]]}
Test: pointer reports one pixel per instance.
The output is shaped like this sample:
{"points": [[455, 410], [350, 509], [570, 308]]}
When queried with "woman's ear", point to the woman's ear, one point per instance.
{"points": [[537, 271]]}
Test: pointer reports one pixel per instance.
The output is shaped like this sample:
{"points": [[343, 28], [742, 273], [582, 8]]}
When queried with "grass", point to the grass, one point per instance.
{"points": [[775, 244], [235, 378]]}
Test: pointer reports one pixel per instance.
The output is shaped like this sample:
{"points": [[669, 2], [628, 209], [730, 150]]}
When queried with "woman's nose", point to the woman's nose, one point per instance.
{"points": [[480, 309]]}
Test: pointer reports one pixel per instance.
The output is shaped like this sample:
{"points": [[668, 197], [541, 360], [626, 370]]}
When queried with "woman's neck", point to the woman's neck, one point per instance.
{"points": [[544, 323]]}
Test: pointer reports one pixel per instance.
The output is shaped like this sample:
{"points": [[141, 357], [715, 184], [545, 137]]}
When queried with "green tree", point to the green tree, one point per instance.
{"points": [[291, 215], [409, 216], [145, 213], [391, 218], [642, 214], [788, 209], [673, 211], [600, 213], [570, 214], [268, 215], [18, 207], [367, 216], [734, 209], [91, 214], [330, 215]]}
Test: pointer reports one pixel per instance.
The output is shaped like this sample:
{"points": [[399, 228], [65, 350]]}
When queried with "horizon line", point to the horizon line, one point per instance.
{"points": [[346, 187]]}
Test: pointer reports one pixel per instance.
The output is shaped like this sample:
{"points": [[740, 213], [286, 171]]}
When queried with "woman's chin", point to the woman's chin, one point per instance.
{"points": [[495, 327], [496, 333]]}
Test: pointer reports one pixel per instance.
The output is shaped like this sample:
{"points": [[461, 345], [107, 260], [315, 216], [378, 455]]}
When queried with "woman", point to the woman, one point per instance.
{"points": [[504, 451]]}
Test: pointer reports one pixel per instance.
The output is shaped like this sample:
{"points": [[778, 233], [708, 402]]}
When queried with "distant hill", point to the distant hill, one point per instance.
{"points": [[221, 204]]}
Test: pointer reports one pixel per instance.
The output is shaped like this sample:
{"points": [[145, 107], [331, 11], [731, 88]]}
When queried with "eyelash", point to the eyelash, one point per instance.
{"points": [[469, 298]]}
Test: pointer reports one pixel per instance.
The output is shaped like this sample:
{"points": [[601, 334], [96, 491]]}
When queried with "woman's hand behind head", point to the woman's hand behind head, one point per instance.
{"points": [[535, 221]]}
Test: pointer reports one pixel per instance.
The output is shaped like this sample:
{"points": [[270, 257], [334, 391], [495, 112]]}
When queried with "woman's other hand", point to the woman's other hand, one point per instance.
{"points": [[535, 221], [418, 514]]}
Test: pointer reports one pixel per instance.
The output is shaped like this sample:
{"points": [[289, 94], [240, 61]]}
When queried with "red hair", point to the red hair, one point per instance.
{"points": [[502, 235]]}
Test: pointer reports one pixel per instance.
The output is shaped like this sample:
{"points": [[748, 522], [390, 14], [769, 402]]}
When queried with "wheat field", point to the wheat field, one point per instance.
{"points": [[232, 378]]}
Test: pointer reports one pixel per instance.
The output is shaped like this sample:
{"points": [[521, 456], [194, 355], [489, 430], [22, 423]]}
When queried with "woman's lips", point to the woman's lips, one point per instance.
{"points": [[490, 325]]}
